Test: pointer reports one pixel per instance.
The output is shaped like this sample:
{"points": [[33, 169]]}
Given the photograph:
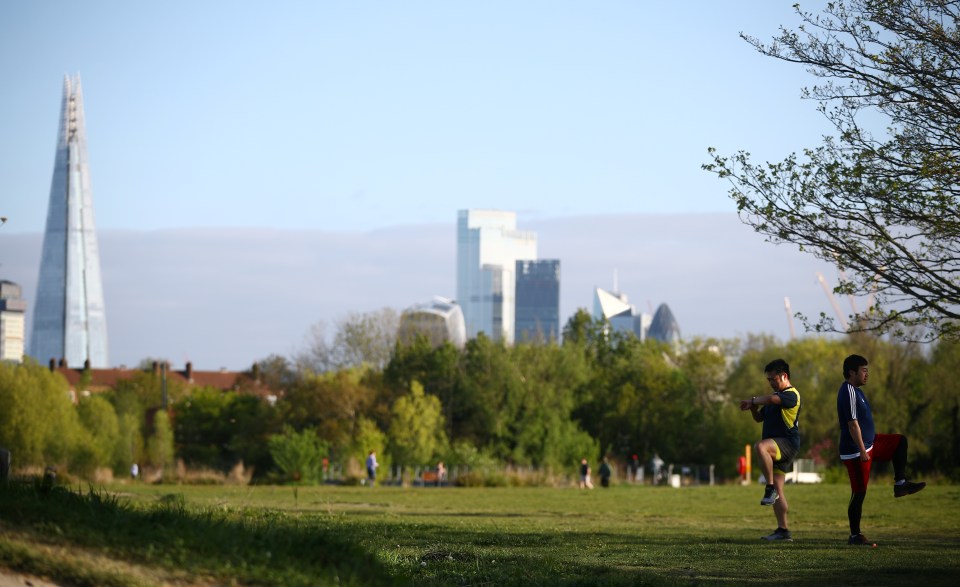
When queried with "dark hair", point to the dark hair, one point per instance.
{"points": [[852, 363], [777, 366]]}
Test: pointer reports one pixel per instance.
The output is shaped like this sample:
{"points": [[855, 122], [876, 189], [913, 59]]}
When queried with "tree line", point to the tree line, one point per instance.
{"points": [[598, 394]]}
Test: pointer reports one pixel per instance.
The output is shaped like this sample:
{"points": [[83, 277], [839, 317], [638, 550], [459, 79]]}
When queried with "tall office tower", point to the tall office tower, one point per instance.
{"points": [[12, 309], [488, 248], [69, 321], [538, 301]]}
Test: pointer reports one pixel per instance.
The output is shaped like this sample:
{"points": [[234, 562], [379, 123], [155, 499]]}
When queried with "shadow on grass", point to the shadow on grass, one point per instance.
{"points": [[221, 545], [441, 555]]}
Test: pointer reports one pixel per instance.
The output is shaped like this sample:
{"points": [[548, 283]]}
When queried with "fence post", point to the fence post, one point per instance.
{"points": [[4, 465]]}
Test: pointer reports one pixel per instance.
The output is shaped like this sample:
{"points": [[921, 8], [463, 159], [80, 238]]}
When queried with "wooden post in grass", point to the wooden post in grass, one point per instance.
{"points": [[4, 465]]}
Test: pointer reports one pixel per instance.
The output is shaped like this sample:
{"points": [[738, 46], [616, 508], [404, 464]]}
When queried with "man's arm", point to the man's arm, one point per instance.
{"points": [[753, 404], [854, 427]]}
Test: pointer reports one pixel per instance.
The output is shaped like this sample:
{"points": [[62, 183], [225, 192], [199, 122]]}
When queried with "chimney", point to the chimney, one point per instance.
{"points": [[189, 371], [53, 364], [156, 368], [63, 363], [86, 365]]}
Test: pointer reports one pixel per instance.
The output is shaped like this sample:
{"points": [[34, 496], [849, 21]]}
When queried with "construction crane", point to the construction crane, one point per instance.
{"points": [[833, 301], [853, 303], [786, 305]]}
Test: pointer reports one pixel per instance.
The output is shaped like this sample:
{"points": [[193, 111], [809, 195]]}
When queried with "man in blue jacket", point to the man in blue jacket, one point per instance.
{"points": [[860, 445]]}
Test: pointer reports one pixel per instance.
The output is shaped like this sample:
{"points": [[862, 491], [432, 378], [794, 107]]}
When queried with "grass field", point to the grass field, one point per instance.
{"points": [[145, 534]]}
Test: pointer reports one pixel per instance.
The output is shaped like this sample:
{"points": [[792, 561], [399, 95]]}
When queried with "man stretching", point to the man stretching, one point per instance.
{"points": [[780, 414], [860, 445]]}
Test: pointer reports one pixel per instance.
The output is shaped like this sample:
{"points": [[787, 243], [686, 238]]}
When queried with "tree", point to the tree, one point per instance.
{"points": [[329, 402], [416, 430], [360, 339], [38, 422], [884, 208], [160, 444], [219, 429], [299, 455], [100, 420], [436, 367]]}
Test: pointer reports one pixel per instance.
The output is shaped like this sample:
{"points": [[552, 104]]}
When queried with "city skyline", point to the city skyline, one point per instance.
{"points": [[185, 294], [331, 125]]}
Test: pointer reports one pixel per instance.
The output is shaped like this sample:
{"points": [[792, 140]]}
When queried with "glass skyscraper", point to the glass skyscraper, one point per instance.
{"points": [[538, 301], [69, 320], [488, 248]]}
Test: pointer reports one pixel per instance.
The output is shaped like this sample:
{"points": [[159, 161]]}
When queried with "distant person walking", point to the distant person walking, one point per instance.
{"points": [[860, 445], [656, 469], [585, 475], [605, 473], [780, 439], [372, 468]]}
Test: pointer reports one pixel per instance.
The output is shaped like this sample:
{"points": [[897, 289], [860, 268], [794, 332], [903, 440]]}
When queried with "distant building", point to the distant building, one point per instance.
{"points": [[440, 320], [12, 310], [664, 326], [84, 380], [488, 248], [620, 313], [538, 301], [69, 320]]}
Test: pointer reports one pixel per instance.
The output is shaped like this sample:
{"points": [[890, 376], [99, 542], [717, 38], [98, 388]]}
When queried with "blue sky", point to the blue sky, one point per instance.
{"points": [[360, 115], [261, 167]]}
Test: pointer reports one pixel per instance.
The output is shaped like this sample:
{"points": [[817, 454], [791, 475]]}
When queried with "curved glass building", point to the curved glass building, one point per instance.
{"points": [[440, 320], [664, 326]]}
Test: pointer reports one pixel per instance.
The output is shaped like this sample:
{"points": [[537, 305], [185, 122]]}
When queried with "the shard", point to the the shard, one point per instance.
{"points": [[69, 321]]}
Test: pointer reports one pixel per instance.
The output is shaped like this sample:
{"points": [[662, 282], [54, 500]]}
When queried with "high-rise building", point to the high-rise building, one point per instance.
{"points": [[69, 320], [664, 326], [538, 301], [12, 309], [488, 248]]}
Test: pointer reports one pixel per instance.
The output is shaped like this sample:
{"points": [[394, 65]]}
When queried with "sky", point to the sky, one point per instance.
{"points": [[334, 123]]}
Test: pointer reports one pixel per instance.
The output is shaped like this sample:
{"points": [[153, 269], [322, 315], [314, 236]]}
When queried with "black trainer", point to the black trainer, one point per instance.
{"points": [[907, 488], [779, 534], [858, 540], [770, 496]]}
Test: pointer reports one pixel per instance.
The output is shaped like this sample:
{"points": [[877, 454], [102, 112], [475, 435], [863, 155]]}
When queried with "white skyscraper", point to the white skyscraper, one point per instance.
{"points": [[69, 320], [488, 248]]}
